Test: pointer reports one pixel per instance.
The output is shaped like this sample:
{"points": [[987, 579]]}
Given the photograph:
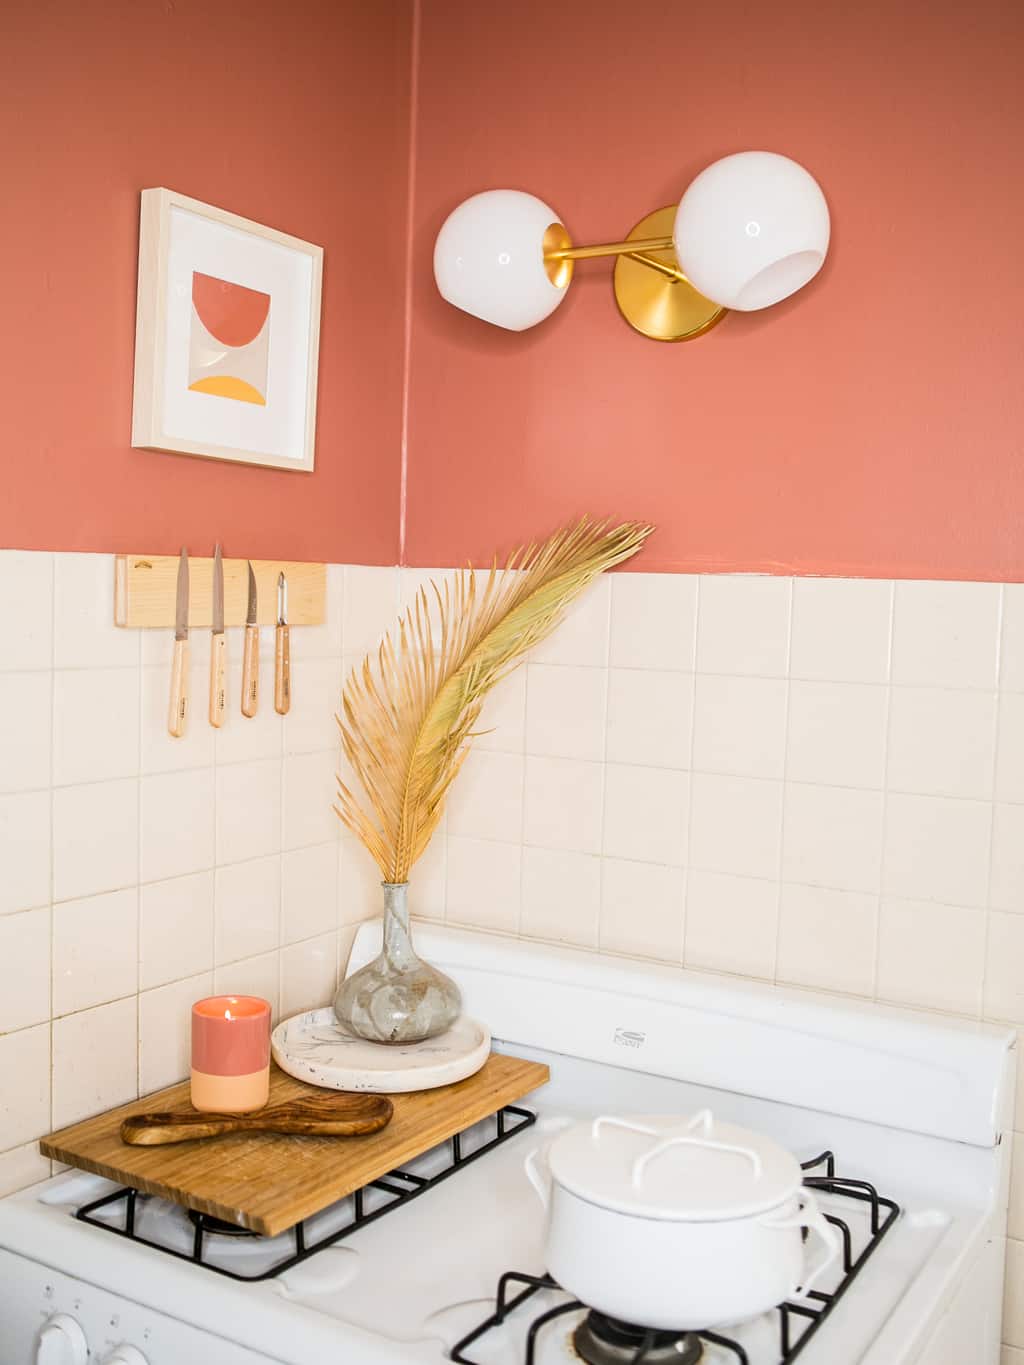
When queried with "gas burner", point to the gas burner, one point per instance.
{"points": [[216, 1226], [601, 1340]]}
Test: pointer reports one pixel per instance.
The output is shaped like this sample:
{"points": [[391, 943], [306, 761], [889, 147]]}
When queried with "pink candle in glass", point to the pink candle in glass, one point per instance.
{"points": [[230, 1053]]}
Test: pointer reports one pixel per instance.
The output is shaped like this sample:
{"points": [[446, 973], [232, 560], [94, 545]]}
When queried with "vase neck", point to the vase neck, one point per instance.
{"points": [[398, 947]]}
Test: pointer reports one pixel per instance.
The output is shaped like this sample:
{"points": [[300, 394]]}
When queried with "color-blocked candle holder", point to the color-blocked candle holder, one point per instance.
{"points": [[230, 1054]]}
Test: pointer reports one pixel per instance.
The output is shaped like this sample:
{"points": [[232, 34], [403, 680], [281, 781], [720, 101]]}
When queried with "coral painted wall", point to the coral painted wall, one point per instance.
{"points": [[294, 115], [872, 424]]}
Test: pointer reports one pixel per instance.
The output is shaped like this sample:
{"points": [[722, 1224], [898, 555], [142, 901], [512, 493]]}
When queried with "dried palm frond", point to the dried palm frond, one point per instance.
{"points": [[406, 723]]}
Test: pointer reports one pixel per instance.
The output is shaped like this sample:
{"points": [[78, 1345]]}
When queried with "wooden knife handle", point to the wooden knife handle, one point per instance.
{"points": [[336, 1116], [251, 671], [218, 660], [177, 710], [282, 672]]}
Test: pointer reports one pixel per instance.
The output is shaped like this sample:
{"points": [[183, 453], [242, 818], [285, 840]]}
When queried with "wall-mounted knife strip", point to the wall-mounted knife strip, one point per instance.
{"points": [[144, 588]]}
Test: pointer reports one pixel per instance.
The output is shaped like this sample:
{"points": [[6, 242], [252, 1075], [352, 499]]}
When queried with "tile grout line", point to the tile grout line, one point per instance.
{"points": [[138, 874], [996, 731], [606, 693], [687, 882], [780, 862], [886, 735], [53, 850]]}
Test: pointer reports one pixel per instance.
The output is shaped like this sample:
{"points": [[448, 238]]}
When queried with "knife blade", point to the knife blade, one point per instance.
{"points": [[218, 643], [282, 652], [251, 653], [177, 711]]}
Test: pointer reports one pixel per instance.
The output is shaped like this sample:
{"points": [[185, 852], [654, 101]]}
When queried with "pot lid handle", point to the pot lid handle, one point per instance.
{"points": [[629, 1126], [681, 1140]]}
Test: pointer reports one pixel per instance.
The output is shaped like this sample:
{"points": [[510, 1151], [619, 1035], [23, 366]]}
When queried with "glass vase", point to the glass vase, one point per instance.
{"points": [[397, 998]]}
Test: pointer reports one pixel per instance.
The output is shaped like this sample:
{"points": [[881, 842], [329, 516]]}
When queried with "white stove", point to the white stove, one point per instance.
{"points": [[913, 1104]]}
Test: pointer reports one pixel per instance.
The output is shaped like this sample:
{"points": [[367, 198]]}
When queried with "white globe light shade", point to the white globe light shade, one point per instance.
{"points": [[751, 230], [489, 259]]}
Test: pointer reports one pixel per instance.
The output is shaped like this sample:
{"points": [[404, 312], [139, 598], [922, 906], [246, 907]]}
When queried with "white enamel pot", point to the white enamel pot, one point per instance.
{"points": [[678, 1224]]}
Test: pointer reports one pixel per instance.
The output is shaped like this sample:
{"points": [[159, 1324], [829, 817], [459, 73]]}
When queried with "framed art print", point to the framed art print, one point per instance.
{"points": [[227, 335]]}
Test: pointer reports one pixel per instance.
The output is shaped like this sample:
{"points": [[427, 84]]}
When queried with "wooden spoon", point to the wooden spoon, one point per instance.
{"points": [[326, 1116]]}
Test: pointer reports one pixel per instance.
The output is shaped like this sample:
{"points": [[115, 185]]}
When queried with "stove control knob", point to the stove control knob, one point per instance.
{"points": [[125, 1355], [62, 1342]]}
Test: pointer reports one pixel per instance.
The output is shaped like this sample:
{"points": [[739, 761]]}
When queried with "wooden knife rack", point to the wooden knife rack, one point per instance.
{"points": [[145, 587]]}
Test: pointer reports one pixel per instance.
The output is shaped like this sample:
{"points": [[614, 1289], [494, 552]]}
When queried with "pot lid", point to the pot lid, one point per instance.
{"points": [[693, 1169]]}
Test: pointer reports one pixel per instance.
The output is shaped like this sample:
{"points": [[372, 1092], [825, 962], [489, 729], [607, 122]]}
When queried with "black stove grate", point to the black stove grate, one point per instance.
{"points": [[798, 1323], [400, 1186]]}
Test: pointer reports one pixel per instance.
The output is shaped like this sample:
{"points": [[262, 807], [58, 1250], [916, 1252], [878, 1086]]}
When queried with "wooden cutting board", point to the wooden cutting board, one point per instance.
{"points": [[268, 1182]]}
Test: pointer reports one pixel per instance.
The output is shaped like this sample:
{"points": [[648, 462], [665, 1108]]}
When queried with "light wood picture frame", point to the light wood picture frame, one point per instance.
{"points": [[227, 336]]}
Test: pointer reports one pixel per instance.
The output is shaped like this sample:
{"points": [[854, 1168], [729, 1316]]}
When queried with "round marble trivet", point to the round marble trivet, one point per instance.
{"points": [[314, 1047]]}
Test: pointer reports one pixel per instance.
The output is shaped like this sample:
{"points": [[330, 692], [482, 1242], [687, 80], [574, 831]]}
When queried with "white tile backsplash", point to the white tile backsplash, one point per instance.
{"points": [[486, 800], [562, 804], [248, 810], [176, 833], [484, 883], [833, 837], [26, 727], [581, 639], [645, 814], [642, 909], [95, 724], [25, 850], [26, 597], [175, 929], [25, 1093], [309, 891], [654, 621], [841, 629], [1011, 654], [309, 790], [95, 838], [817, 782], [1010, 754], [932, 955], [247, 909], [836, 733], [95, 1060], [95, 950], [735, 825], [942, 742], [1006, 888], [649, 717], [165, 1024], [946, 634], [84, 634], [827, 939], [731, 923], [565, 711], [739, 725], [937, 849], [743, 625], [24, 969], [309, 974], [561, 896]]}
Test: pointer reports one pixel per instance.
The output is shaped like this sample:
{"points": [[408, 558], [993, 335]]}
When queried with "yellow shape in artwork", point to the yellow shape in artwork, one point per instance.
{"points": [[227, 386]]}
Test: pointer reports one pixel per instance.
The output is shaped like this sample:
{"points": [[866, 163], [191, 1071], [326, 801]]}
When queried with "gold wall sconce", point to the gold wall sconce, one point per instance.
{"points": [[749, 231]]}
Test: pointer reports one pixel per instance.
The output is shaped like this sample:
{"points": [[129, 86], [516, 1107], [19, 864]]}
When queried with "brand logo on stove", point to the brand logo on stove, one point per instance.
{"points": [[628, 1037]]}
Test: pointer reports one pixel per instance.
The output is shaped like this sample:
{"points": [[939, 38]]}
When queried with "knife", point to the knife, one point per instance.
{"points": [[218, 643], [177, 711], [251, 654], [282, 652]]}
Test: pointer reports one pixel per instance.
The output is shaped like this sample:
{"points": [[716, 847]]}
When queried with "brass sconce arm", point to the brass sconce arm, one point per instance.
{"points": [[636, 250], [586, 253]]}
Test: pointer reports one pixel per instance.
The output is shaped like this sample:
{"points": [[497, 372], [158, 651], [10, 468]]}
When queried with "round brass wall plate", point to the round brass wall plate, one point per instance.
{"points": [[661, 308]]}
